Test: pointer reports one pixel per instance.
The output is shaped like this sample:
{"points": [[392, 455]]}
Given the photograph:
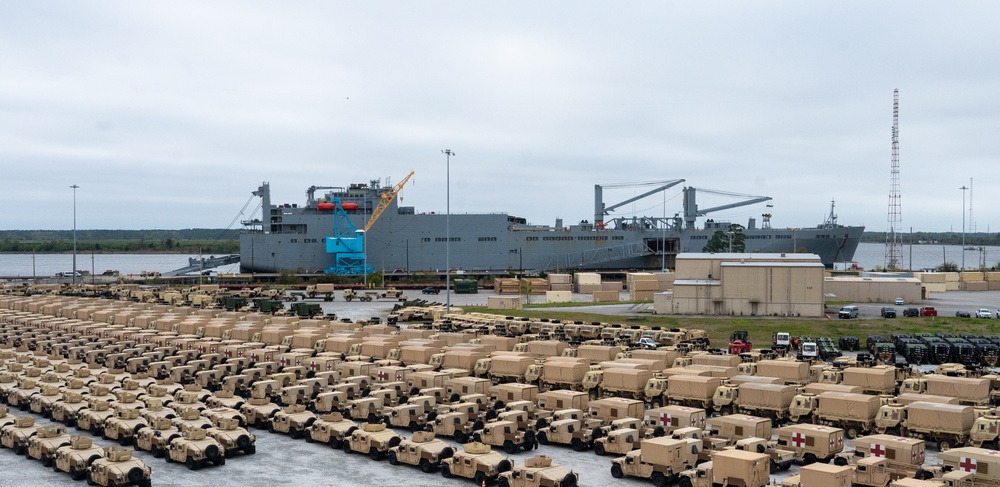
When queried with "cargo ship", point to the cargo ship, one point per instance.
{"points": [[327, 234]]}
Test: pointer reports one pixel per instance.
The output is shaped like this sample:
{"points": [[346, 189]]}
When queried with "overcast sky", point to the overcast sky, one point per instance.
{"points": [[168, 114]]}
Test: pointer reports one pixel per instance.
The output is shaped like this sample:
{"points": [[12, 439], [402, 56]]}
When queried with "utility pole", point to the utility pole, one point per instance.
{"points": [[963, 188], [447, 232], [74, 230]]}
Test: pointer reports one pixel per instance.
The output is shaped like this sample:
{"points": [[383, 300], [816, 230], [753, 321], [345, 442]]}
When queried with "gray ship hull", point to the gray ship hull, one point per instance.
{"points": [[402, 240]]}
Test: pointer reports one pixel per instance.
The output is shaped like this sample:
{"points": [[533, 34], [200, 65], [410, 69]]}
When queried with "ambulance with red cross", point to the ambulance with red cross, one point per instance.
{"points": [[970, 467], [663, 421], [904, 455], [811, 442]]}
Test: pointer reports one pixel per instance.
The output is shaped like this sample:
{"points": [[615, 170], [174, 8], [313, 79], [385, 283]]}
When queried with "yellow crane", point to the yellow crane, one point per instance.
{"points": [[387, 198]]}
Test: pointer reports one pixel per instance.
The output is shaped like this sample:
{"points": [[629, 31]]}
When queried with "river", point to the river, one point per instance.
{"points": [[868, 256]]}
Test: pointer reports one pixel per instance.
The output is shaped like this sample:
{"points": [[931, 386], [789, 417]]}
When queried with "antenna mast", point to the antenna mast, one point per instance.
{"points": [[972, 225], [893, 243]]}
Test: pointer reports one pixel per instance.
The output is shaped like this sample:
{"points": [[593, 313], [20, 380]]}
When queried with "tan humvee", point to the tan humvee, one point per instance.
{"points": [[117, 467], [213, 414], [373, 439], [43, 402], [92, 417], [293, 420], [507, 435], [476, 461], [155, 409], [618, 442], [15, 435], [732, 467], [364, 409], [539, 471], [569, 431], [195, 448], [20, 396], [123, 426], [66, 410], [224, 399], [406, 416], [43, 445], [5, 418], [232, 436], [76, 458], [191, 417], [259, 411], [423, 450], [156, 437], [328, 402], [332, 429]]}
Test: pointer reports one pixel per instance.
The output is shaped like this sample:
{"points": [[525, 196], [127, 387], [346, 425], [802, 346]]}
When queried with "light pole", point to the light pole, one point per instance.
{"points": [[74, 230], [447, 232], [963, 188]]}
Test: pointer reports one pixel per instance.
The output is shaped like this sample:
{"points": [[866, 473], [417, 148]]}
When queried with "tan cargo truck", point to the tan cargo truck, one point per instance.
{"points": [[692, 391], [739, 426], [621, 382], [771, 400], [904, 457], [986, 432], [562, 399], [968, 390], [855, 413], [658, 459], [817, 388], [876, 380], [790, 372], [947, 424], [563, 373], [811, 442]]}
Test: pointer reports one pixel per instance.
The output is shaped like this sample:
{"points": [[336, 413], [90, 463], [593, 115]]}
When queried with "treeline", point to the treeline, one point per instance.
{"points": [[192, 241], [939, 238]]}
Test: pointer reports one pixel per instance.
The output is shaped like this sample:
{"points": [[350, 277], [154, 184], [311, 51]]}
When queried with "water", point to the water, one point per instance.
{"points": [[872, 255], [47, 265], [868, 256]]}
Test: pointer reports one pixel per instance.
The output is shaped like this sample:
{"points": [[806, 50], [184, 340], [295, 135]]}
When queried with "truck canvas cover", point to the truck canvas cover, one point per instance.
{"points": [[848, 405], [692, 386], [870, 379], [626, 379], [564, 370], [785, 369], [931, 416], [712, 359], [976, 390], [597, 353], [767, 395]]}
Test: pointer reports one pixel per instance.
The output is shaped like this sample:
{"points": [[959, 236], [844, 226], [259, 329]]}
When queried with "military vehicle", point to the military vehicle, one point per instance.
{"points": [[117, 467], [232, 436], [75, 459], [811, 442], [422, 450], [195, 448], [5, 417], [456, 424], [970, 466], [904, 456], [476, 461], [373, 439], [947, 424], [293, 420], [507, 435], [43, 445], [729, 467], [92, 418], [538, 471], [331, 428], [123, 426], [570, 431], [259, 411], [619, 441], [15, 435], [65, 411], [658, 459], [156, 437]]}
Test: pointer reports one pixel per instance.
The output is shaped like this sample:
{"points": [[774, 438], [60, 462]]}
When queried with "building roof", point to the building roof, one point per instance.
{"points": [[772, 263], [697, 282], [756, 256]]}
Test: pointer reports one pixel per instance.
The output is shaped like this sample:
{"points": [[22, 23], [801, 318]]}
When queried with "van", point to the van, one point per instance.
{"points": [[848, 312]]}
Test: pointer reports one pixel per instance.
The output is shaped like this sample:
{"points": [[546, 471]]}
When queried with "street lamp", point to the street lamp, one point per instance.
{"points": [[963, 188], [447, 232], [74, 230]]}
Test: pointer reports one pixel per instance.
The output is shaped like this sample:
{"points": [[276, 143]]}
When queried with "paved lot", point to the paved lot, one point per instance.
{"points": [[283, 461]]}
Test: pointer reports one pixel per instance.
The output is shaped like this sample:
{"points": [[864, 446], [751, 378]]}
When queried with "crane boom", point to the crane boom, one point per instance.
{"points": [[600, 209], [692, 212], [385, 200]]}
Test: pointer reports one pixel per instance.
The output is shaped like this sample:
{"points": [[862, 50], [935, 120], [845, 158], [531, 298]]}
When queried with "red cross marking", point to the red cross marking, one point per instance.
{"points": [[399, 376], [833, 442], [904, 440], [253, 356], [914, 454], [284, 361], [381, 376], [665, 418], [799, 440], [821, 428], [967, 464], [201, 349], [877, 450], [229, 353], [177, 346], [694, 421], [312, 366], [992, 452]]}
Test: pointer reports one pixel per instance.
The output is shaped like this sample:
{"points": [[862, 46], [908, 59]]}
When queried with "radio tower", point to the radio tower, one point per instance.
{"points": [[893, 244]]}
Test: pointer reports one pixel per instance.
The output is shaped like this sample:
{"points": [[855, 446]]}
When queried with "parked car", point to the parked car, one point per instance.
{"points": [[928, 311], [430, 290], [984, 313], [899, 301], [911, 312], [647, 343], [848, 312], [888, 312], [963, 313]]}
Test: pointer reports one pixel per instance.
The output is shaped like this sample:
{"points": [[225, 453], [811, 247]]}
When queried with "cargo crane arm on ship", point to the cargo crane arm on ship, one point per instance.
{"points": [[691, 211], [600, 210], [311, 194], [386, 198]]}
